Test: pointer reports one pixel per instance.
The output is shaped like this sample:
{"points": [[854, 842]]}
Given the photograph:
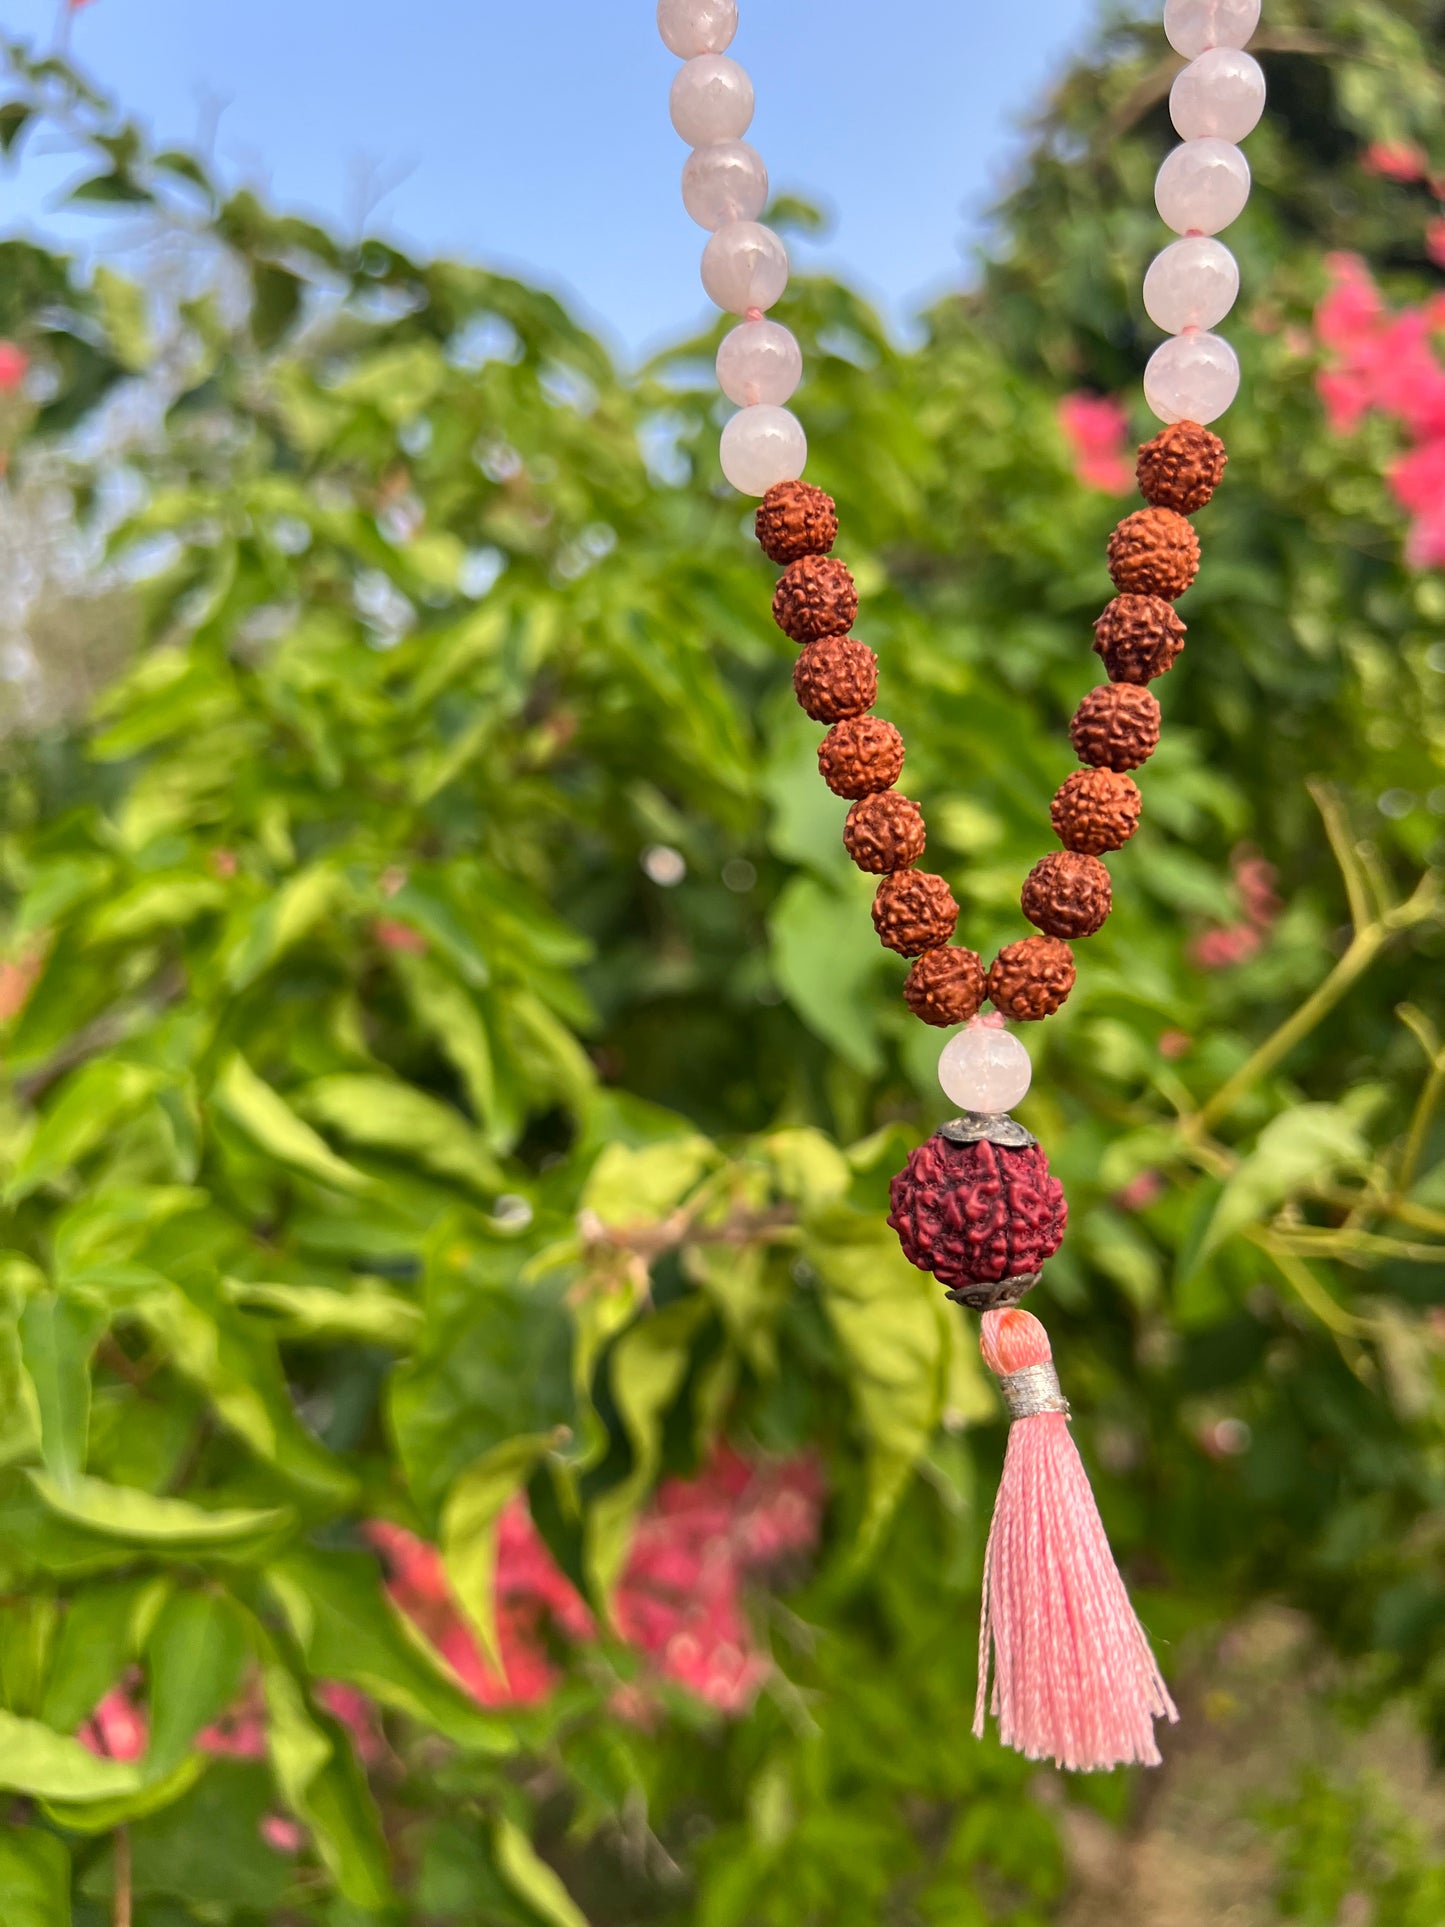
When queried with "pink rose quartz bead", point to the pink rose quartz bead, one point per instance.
{"points": [[692, 27], [744, 266], [1202, 187], [724, 182], [985, 1069], [1193, 284], [1192, 378], [1194, 26], [759, 362], [762, 447], [1219, 96], [711, 100]]}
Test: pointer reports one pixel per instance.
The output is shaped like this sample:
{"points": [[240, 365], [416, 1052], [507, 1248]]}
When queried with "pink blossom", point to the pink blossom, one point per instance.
{"points": [[1174, 1044], [1435, 240], [680, 1601], [1096, 427], [117, 1729], [282, 1835], [1224, 949], [1395, 161], [392, 935], [14, 366], [1140, 1192]]}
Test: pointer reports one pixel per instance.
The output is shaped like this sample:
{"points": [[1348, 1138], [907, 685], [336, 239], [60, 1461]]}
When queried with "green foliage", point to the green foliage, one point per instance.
{"points": [[379, 1140]]}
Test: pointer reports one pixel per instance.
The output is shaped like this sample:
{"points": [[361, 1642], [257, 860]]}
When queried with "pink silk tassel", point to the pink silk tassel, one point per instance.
{"points": [[1074, 1679]]}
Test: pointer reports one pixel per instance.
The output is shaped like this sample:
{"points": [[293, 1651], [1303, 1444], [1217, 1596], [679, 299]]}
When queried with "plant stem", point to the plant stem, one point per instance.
{"points": [[121, 1915]]}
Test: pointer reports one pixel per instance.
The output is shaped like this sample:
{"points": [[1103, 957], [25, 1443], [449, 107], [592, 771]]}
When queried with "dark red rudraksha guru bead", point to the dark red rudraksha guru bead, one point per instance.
{"points": [[982, 1217]]}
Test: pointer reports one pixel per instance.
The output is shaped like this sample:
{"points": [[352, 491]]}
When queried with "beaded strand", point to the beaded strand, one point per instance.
{"points": [[1153, 554]]}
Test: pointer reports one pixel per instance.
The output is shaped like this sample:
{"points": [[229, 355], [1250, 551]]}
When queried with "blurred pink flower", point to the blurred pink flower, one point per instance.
{"points": [[1096, 428], [1395, 161], [680, 1600], [282, 1835], [392, 935], [1435, 240], [14, 366], [1140, 1192], [1389, 364], [117, 1729]]}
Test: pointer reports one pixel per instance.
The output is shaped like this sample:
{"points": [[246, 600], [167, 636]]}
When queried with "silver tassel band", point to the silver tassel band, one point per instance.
{"points": [[1033, 1390]]}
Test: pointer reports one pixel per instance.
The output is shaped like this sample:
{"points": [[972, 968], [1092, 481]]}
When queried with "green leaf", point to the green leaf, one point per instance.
{"points": [[20, 1417], [447, 1011], [15, 117], [369, 1314], [1303, 1146], [34, 1878], [647, 1367], [126, 315], [470, 1522], [322, 1784], [271, 1124], [388, 1115], [91, 1103], [531, 1879], [349, 1630], [100, 1635], [175, 1526], [889, 1323], [195, 1659], [44, 1765], [827, 962], [277, 302], [633, 1187], [58, 1338], [283, 921]]}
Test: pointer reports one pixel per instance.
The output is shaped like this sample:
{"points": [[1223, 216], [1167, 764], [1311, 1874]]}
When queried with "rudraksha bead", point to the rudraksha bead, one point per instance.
{"points": [[1030, 979], [861, 756], [1153, 552], [816, 597], [796, 519], [1067, 895], [884, 832], [1181, 467], [945, 986], [1139, 638], [1096, 810], [914, 912], [1116, 726], [978, 1215], [836, 678]]}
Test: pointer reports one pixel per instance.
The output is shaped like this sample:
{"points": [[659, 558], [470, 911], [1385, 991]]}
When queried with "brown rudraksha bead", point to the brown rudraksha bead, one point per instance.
{"points": [[1116, 726], [1030, 979], [1139, 638], [1067, 895], [796, 519], [1153, 552], [1096, 810], [836, 678], [884, 832], [816, 597], [914, 912], [946, 986], [861, 756], [1181, 467]]}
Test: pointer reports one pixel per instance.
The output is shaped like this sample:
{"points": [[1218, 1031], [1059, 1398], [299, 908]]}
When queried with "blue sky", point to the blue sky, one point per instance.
{"points": [[534, 133]]}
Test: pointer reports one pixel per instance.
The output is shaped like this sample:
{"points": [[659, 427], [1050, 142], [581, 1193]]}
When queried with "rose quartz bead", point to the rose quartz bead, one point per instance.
{"points": [[723, 182], [744, 266], [1202, 187], [759, 362], [692, 27], [1194, 26], [762, 447], [1192, 378], [984, 1069], [1192, 284], [711, 100], [1219, 96]]}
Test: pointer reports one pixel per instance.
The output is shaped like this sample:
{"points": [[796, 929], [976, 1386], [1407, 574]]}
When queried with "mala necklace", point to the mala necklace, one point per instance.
{"points": [[1073, 1676]]}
